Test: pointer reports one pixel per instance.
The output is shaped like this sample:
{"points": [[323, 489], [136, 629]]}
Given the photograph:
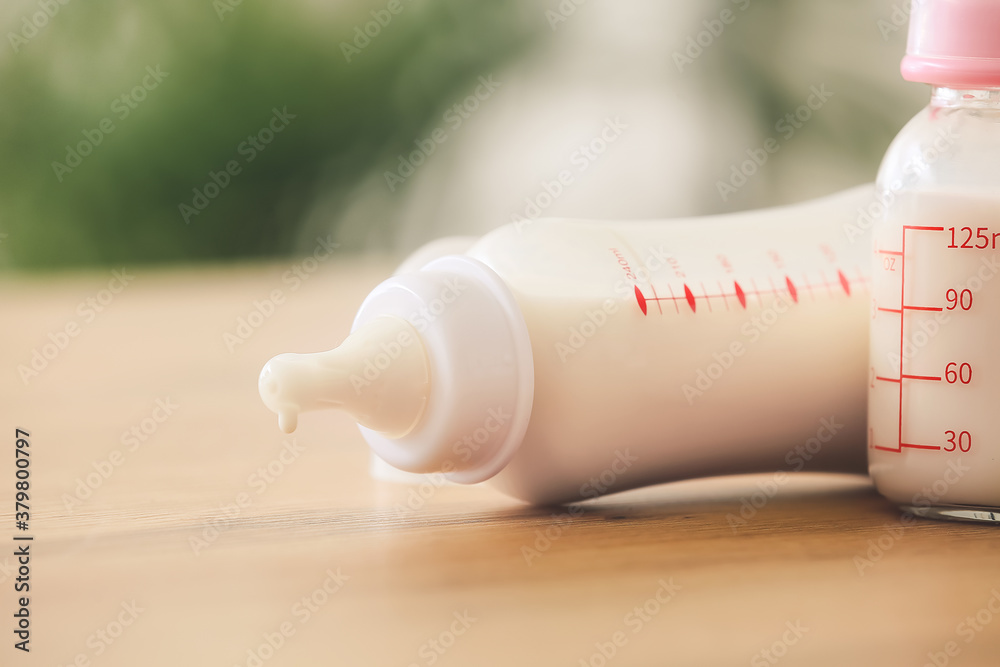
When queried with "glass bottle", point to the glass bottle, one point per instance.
{"points": [[934, 376]]}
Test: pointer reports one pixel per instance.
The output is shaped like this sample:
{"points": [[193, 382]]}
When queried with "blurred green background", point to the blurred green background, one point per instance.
{"points": [[565, 68]]}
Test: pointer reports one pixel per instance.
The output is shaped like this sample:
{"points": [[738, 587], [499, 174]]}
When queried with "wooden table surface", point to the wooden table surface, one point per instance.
{"points": [[210, 538]]}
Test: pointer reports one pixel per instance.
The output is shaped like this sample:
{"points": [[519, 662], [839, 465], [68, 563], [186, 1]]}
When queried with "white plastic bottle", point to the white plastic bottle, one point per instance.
{"points": [[934, 378], [567, 359]]}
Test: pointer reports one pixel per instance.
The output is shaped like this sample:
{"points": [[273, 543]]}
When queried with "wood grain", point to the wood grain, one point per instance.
{"points": [[544, 586]]}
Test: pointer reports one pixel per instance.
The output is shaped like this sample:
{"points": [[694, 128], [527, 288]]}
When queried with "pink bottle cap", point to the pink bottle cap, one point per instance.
{"points": [[954, 43]]}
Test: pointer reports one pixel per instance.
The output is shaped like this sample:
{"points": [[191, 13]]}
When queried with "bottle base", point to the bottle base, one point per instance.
{"points": [[976, 513]]}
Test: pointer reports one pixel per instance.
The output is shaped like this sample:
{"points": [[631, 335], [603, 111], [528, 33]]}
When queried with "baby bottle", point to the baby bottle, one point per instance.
{"points": [[565, 359], [934, 375]]}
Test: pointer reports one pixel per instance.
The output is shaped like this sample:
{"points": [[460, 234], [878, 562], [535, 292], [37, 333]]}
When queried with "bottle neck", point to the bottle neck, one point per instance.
{"points": [[957, 98]]}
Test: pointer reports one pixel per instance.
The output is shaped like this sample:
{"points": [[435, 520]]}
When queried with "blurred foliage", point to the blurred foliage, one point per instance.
{"points": [[226, 74], [781, 43]]}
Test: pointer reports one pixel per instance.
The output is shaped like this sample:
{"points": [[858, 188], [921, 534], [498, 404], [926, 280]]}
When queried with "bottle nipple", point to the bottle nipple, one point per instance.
{"points": [[379, 375]]}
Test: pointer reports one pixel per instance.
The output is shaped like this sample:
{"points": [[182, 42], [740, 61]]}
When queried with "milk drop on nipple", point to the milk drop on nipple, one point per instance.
{"points": [[386, 397]]}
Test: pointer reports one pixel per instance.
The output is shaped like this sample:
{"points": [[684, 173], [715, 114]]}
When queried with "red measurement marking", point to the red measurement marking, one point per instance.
{"points": [[809, 286], [689, 296], [673, 298], [826, 283], [912, 446], [722, 291], [922, 308], [656, 297], [791, 289], [641, 299], [890, 310], [902, 321], [885, 449], [756, 290], [890, 252], [741, 294], [902, 327], [879, 377], [844, 282], [922, 377]]}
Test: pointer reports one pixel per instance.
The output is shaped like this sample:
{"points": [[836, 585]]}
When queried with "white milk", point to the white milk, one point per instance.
{"points": [[568, 359], [934, 434], [935, 374]]}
